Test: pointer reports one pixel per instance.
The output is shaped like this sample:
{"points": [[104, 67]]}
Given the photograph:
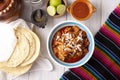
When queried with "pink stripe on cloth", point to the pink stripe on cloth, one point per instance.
{"points": [[117, 11], [106, 61], [81, 73], [110, 35]]}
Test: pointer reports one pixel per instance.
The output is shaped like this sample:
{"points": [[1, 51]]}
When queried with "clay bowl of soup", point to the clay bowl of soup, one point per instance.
{"points": [[70, 44], [81, 9]]}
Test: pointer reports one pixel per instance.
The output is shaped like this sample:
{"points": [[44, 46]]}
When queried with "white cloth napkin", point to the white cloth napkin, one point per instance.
{"points": [[41, 64], [7, 41]]}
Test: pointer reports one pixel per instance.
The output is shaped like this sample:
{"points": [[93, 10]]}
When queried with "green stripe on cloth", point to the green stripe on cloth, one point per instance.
{"points": [[112, 27]]}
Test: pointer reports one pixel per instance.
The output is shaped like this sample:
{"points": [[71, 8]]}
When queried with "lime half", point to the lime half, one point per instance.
{"points": [[61, 9], [51, 10]]}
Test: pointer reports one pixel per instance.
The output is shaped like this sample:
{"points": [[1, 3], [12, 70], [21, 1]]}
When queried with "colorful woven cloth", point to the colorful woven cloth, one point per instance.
{"points": [[105, 62]]}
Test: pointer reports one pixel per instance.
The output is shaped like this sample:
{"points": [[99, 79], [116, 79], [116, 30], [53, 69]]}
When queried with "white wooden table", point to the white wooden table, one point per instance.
{"points": [[104, 7]]}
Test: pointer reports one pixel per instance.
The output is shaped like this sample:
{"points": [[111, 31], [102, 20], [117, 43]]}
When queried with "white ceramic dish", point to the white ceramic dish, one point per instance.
{"points": [[81, 61]]}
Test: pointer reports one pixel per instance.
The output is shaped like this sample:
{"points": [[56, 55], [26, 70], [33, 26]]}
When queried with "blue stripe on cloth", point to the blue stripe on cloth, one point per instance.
{"points": [[108, 51], [115, 19], [101, 69], [113, 57], [116, 15], [103, 39], [70, 76], [94, 71], [62, 78], [65, 78], [75, 75], [105, 69], [113, 24]]}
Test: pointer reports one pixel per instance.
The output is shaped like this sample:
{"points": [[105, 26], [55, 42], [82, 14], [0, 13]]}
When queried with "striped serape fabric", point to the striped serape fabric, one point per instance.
{"points": [[105, 62]]}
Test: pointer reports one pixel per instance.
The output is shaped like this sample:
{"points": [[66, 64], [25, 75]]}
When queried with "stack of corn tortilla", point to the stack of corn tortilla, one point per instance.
{"points": [[26, 51]]}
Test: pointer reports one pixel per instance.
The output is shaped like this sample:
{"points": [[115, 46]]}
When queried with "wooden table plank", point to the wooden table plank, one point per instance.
{"points": [[22, 77], [58, 70], [94, 22], [107, 8], [104, 7]]}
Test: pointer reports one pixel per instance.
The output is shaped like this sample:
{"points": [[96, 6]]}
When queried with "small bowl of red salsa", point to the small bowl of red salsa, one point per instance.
{"points": [[70, 44]]}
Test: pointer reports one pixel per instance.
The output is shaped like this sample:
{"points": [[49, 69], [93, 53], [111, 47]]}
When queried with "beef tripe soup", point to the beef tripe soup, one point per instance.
{"points": [[70, 44]]}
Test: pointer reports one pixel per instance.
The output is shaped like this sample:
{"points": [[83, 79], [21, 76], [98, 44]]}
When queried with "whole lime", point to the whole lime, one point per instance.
{"points": [[55, 2]]}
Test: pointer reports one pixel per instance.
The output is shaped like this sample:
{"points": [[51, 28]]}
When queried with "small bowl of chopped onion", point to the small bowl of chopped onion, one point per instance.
{"points": [[70, 44]]}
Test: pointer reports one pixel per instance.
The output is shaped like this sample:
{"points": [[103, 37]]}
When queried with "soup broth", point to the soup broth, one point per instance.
{"points": [[80, 10]]}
